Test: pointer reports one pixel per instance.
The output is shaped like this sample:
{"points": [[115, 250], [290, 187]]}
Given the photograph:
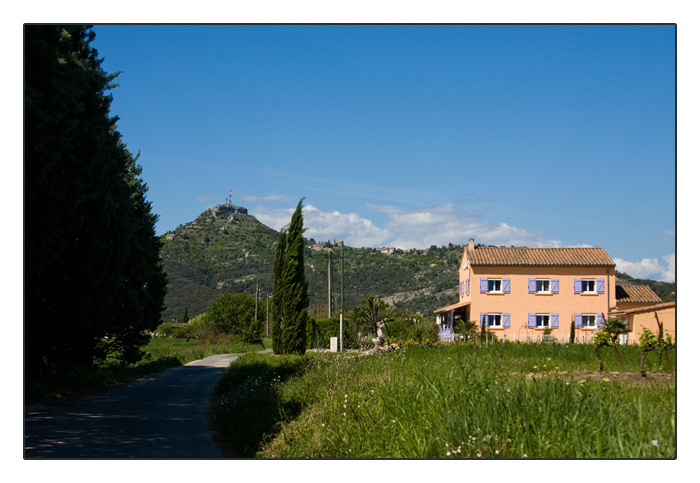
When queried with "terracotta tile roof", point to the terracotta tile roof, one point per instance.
{"points": [[647, 308], [522, 256], [451, 307], [633, 294]]}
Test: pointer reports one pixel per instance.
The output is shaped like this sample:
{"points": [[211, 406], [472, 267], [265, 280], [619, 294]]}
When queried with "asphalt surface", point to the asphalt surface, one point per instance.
{"points": [[160, 417]]}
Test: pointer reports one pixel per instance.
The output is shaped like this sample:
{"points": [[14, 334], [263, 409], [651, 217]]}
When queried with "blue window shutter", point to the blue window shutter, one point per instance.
{"points": [[554, 322], [531, 321], [531, 285], [482, 320], [506, 285], [577, 285], [555, 285], [484, 285], [600, 321], [600, 285], [578, 321], [467, 287], [506, 320]]}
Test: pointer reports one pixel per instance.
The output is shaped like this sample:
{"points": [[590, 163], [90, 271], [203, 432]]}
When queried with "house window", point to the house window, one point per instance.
{"points": [[542, 321], [543, 285], [588, 285], [494, 285], [588, 321], [494, 320], [464, 287]]}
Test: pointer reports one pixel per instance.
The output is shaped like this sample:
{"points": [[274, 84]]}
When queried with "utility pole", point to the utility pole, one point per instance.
{"points": [[341, 296], [330, 283], [267, 316], [257, 293]]}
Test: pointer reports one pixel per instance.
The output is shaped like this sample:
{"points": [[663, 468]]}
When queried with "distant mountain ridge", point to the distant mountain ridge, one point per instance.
{"points": [[227, 250]]}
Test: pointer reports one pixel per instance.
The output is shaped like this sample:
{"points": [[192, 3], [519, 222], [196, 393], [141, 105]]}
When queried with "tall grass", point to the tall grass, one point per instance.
{"points": [[507, 401]]}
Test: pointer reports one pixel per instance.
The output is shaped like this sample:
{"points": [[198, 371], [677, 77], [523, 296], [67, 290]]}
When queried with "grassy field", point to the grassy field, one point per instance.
{"points": [[505, 401], [160, 354]]}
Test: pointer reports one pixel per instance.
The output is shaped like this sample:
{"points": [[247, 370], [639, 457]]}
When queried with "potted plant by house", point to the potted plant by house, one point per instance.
{"points": [[547, 335]]}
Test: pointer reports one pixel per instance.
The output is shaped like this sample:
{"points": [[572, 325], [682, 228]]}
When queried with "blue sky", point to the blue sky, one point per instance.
{"points": [[411, 136]]}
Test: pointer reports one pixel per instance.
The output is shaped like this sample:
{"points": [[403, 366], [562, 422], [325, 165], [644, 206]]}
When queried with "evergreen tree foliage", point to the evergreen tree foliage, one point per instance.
{"points": [[292, 299], [277, 293], [94, 281]]}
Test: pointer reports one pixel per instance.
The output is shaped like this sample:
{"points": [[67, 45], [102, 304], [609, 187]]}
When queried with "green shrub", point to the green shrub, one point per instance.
{"points": [[320, 331]]}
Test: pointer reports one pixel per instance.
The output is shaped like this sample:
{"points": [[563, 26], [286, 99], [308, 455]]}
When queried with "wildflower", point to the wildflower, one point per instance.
{"points": [[496, 451], [655, 442], [524, 455], [478, 455], [448, 453], [343, 414], [447, 445], [393, 420], [323, 425]]}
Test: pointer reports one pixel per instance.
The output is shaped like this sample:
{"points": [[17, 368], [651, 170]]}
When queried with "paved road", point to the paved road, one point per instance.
{"points": [[160, 417]]}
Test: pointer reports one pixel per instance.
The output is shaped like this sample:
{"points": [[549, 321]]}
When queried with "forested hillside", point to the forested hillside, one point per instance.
{"points": [[227, 250]]}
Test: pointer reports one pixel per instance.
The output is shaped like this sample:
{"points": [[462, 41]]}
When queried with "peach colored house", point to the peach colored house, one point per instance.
{"points": [[649, 316], [518, 292]]}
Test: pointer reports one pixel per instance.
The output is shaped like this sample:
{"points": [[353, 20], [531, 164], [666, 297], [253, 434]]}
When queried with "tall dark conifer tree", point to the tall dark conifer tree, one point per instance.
{"points": [[292, 299], [278, 293], [94, 281]]}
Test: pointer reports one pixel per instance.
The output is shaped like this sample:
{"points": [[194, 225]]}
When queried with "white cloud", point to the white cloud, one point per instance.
{"points": [[649, 268], [325, 225], [438, 225], [443, 224], [406, 228]]}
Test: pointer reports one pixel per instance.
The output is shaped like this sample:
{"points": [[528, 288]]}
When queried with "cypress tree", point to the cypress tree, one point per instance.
{"points": [[290, 290], [277, 292], [572, 333]]}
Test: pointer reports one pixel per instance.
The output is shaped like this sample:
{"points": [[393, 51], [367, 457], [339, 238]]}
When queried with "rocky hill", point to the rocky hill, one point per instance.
{"points": [[227, 250]]}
